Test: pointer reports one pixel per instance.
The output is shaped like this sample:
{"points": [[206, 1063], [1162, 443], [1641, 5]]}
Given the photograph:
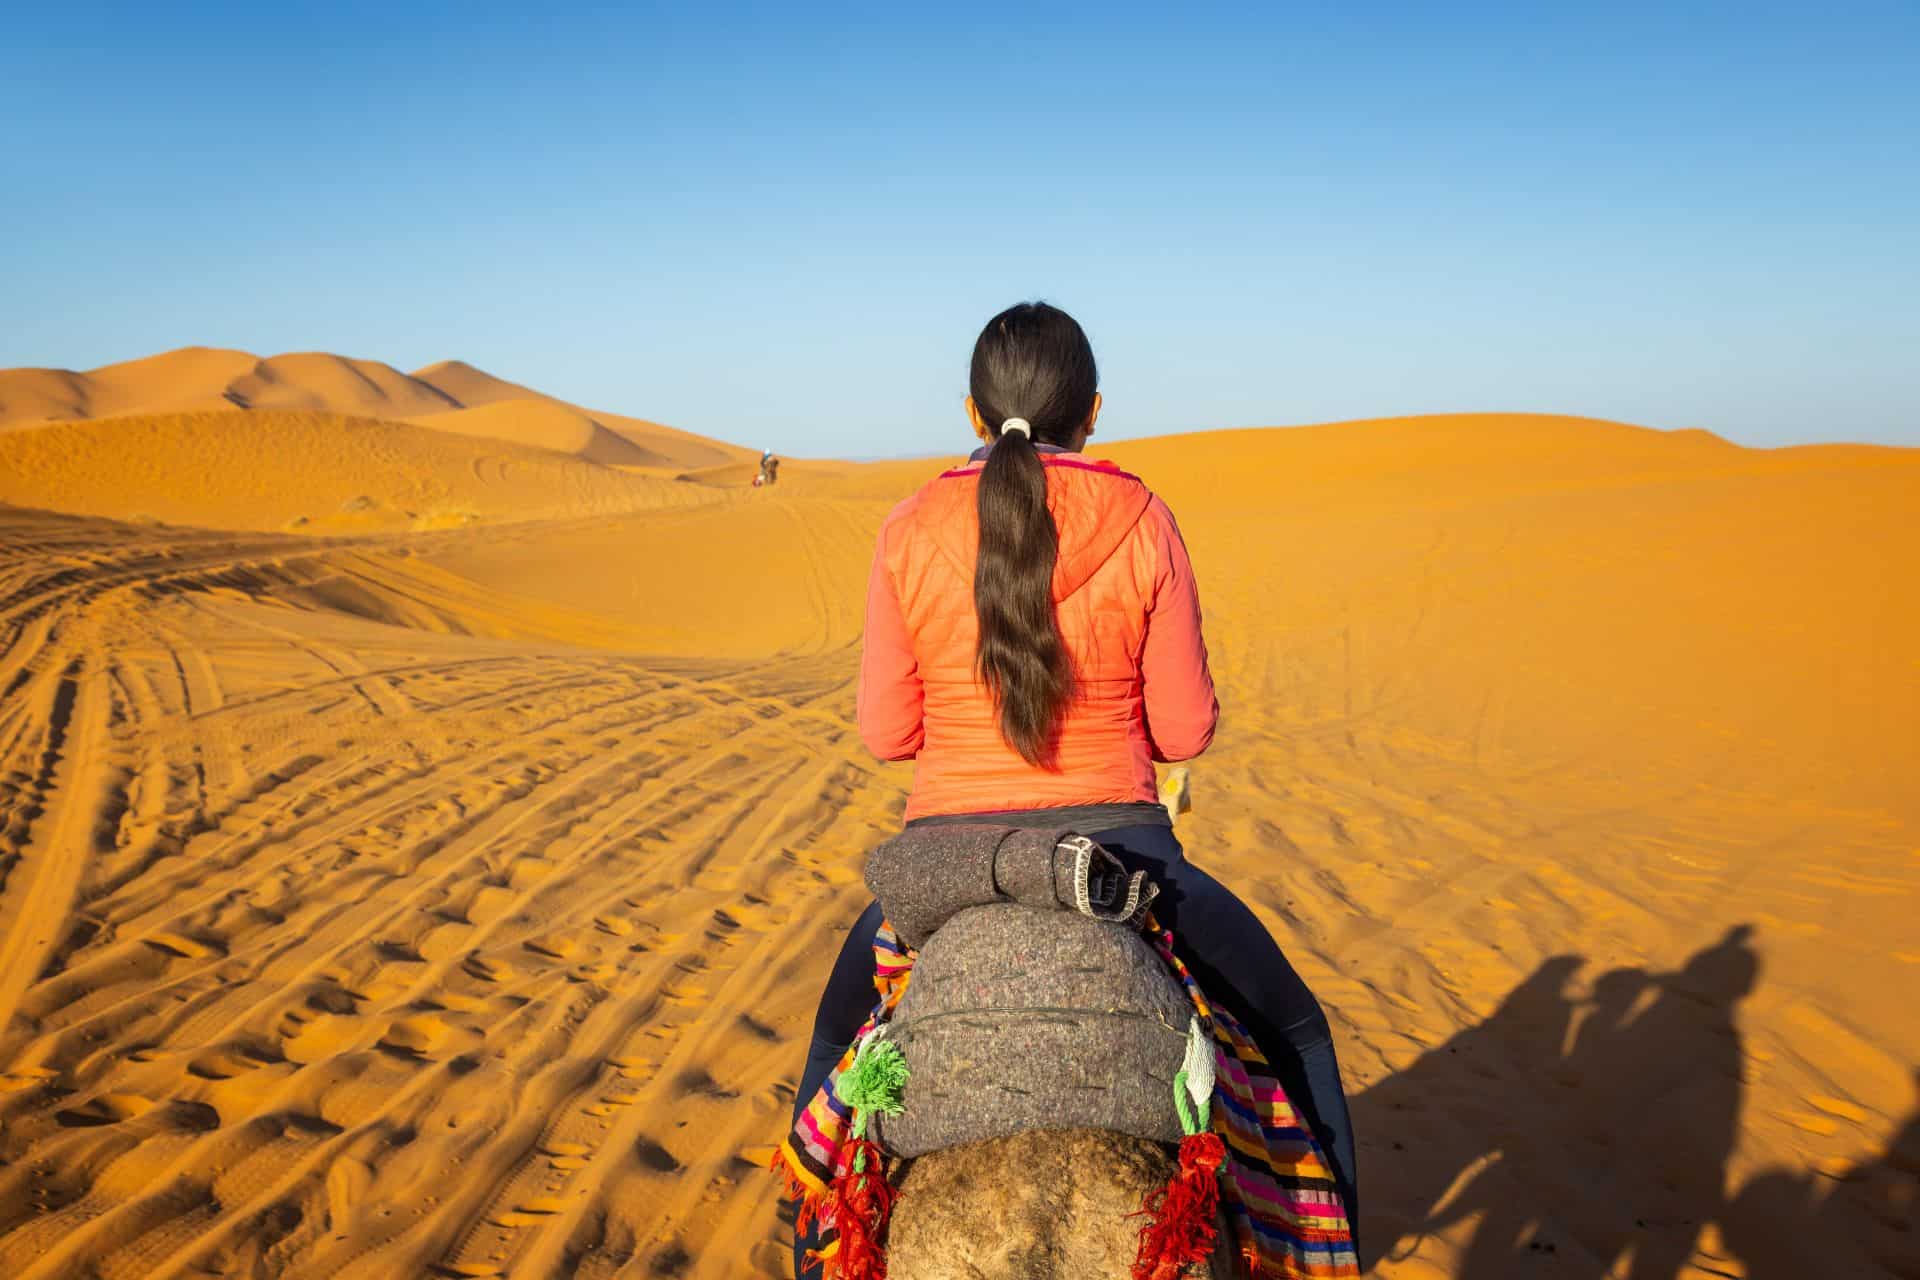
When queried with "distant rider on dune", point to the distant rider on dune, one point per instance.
{"points": [[1033, 639]]}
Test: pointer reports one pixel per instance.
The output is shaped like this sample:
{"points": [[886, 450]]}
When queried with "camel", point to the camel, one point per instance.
{"points": [[1041, 1204], [1026, 1080]]}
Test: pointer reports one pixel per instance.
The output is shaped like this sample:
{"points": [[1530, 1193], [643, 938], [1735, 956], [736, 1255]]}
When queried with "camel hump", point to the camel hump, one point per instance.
{"points": [[1020, 1018], [1043, 1203]]}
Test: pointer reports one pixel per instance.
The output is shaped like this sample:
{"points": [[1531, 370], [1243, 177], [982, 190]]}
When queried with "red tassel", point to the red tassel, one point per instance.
{"points": [[862, 1203], [1182, 1228]]}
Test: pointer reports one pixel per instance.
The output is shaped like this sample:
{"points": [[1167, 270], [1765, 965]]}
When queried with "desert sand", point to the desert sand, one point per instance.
{"points": [[430, 808]]}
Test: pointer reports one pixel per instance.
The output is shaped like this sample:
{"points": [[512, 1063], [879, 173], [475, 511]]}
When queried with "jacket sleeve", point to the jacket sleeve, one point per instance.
{"points": [[891, 694], [1177, 687]]}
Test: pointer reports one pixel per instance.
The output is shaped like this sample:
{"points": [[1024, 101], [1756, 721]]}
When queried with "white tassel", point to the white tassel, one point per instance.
{"points": [[1198, 1066]]}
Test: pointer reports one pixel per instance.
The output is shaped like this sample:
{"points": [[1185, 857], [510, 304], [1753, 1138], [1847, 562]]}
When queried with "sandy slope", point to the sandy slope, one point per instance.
{"points": [[450, 396], [317, 472], [453, 902], [187, 379], [470, 386], [201, 377], [606, 439], [663, 445], [334, 384], [545, 425]]}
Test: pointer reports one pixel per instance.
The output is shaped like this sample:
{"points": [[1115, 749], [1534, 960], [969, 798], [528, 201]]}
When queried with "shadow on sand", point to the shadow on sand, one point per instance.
{"points": [[1589, 1136]]}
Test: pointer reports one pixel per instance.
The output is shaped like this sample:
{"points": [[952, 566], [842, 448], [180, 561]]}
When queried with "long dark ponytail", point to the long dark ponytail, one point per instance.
{"points": [[1032, 362]]}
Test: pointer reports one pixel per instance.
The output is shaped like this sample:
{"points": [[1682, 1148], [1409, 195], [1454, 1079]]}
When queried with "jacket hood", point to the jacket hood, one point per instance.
{"points": [[1095, 505]]}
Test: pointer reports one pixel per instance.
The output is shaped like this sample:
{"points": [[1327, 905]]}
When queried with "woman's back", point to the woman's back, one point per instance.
{"points": [[1127, 613], [1033, 641]]}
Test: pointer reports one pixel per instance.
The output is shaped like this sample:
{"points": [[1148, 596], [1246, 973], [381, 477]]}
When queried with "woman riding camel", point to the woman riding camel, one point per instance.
{"points": [[1033, 639]]}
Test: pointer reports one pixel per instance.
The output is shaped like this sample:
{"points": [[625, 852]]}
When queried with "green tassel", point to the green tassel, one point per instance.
{"points": [[876, 1079]]}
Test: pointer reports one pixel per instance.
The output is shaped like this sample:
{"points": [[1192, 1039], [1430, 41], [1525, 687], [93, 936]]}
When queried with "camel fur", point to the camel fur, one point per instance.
{"points": [[1041, 1204]]}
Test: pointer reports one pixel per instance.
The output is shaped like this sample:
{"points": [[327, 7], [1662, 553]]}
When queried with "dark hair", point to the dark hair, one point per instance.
{"points": [[1033, 362]]}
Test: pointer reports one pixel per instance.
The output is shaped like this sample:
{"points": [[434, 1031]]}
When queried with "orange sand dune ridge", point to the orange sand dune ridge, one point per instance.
{"points": [[451, 897], [450, 396]]}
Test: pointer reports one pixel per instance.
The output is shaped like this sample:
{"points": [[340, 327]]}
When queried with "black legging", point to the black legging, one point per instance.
{"points": [[1227, 948]]}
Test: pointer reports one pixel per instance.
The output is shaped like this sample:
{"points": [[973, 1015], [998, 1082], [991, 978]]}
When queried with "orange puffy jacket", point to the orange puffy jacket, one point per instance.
{"points": [[1130, 615]]}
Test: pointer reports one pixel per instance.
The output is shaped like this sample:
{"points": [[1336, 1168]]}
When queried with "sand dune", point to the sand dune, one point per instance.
{"points": [[452, 902], [325, 383], [608, 439], [312, 472], [33, 395], [1709, 590], [680, 448], [664, 446], [449, 396], [544, 424], [471, 387], [188, 379], [195, 378]]}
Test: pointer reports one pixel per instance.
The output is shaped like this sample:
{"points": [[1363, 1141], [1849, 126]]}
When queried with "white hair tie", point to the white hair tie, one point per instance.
{"points": [[1020, 425]]}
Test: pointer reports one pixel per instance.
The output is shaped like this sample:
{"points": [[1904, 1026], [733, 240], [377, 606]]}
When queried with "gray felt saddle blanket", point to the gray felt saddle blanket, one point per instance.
{"points": [[926, 875], [1034, 1001]]}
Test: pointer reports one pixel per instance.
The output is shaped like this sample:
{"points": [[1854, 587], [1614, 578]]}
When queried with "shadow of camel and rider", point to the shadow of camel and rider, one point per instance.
{"points": [[1589, 1135]]}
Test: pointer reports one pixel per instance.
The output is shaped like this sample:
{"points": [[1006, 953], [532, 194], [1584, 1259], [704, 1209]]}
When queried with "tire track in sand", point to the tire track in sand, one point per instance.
{"points": [[54, 860]]}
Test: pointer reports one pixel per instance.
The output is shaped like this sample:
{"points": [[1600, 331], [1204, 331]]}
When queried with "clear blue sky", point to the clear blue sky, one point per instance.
{"points": [[784, 224]]}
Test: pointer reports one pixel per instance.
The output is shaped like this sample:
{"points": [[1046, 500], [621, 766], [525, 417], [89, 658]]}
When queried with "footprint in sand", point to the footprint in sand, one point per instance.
{"points": [[650, 937], [758, 1029], [684, 992], [425, 1035], [224, 1062], [187, 948], [317, 1037], [522, 872], [532, 1210], [634, 1066], [598, 971], [249, 1089], [695, 1080], [566, 1156], [490, 903], [444, 941], [332, 999], [108, 1108], [748, 915], [488, 970], [654, 1157], [459, 1003], [378, 987], [19, 1079], [554, 946], [399, 951]]}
